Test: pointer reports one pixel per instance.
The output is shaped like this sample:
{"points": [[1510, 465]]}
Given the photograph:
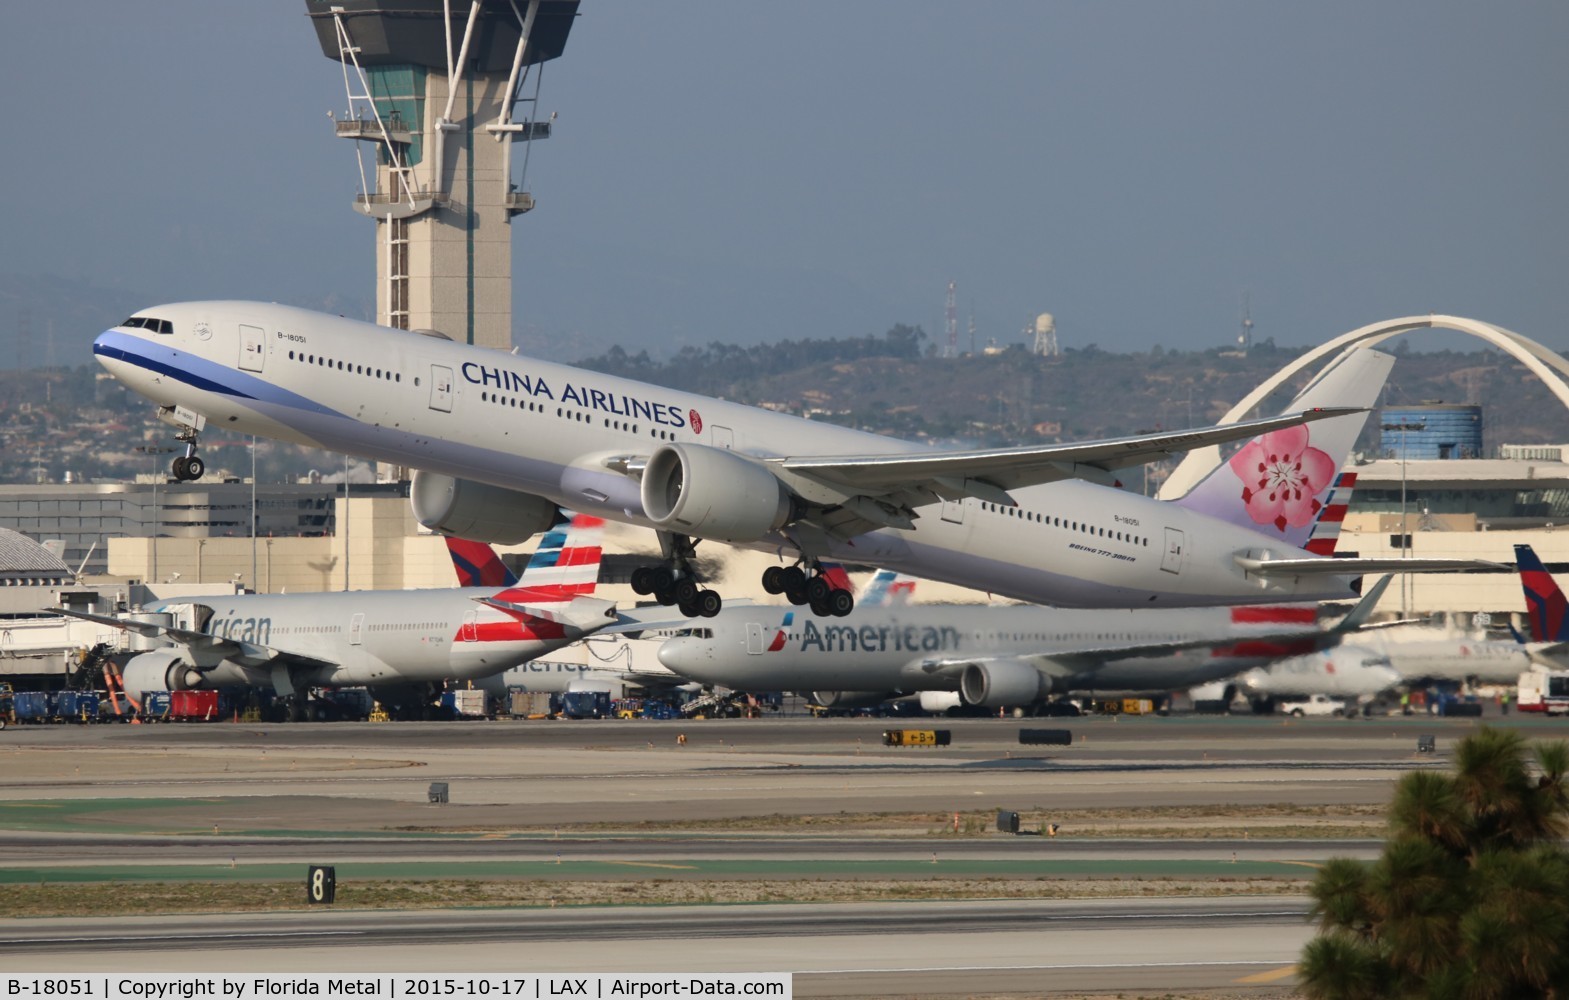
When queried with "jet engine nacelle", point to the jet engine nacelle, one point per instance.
{"points": [[850, 699], [478, 512], [159, 670], [1002, 685], [692, 489], [938, 702]]}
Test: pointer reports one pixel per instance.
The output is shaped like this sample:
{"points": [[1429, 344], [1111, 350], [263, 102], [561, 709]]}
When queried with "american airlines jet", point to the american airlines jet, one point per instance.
{"points": [[379, 639], [501, 440]]}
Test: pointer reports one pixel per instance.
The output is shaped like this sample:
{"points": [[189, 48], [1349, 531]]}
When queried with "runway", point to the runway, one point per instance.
{"points": [[999, 947], [752, 801]]}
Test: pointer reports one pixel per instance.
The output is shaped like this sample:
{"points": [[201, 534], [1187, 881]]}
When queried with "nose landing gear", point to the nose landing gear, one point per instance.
{"points": [[189, 467], [825, 599]]}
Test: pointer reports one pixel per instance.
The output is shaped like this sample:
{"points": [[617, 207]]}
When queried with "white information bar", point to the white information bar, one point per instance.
{"points": [[389, 986]]}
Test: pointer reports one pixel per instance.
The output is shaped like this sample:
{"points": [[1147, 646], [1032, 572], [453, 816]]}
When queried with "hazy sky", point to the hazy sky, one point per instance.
{"points": [[743, 171]]}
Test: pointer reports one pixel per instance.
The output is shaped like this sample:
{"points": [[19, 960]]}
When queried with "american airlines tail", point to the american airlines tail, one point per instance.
{"points": [[1279, 483], [1326, 527], [1546, 608], [566, 563], [888, 590]]}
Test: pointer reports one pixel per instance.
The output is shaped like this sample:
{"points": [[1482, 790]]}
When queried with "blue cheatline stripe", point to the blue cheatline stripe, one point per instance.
{"points": [[200, 373]]}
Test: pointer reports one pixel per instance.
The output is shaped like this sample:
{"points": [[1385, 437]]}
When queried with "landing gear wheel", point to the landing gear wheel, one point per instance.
{"points": [[660, 578], [840, 603], [792, 579], [818, 589], [688, 609], [709, 602], [665, 596], [796, 596], [685, 592], [773, 579], [820, 608], [640, 581], [177, 468], [194, 467]]}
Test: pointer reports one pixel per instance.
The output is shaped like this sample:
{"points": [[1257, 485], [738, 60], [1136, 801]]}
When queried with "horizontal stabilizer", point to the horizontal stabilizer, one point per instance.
{"points": [[1359, 567], [586, 614]]}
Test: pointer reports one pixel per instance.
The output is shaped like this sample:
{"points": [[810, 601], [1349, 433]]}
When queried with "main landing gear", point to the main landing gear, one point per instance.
{"points": [[676, 583], [189, 466], [825, 600]]}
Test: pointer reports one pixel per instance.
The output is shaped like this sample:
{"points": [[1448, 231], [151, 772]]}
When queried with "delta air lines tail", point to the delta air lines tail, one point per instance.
{"points": [[1547, 611]]}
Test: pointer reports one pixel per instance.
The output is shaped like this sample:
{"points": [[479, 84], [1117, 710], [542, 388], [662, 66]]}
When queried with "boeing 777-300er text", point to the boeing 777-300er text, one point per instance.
{"points": [[502, 440], [378, 639]]}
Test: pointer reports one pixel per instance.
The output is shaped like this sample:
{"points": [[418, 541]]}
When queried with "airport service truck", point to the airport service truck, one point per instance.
{"points": [[1544, 691]]}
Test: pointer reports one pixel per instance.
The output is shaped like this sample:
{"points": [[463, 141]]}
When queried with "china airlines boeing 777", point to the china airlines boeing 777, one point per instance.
{"points": [[502, 440]]}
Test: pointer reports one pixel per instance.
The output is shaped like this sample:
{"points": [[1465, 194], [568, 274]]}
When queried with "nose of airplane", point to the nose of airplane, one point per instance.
{"points": [[679, 653]]}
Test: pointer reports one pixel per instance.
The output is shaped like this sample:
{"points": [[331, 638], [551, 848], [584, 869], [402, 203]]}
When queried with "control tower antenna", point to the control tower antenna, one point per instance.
{"points": [[427, 82], [1245, 338], [952, 323]]}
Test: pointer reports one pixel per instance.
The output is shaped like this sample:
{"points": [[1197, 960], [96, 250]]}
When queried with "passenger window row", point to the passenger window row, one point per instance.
{"points": [[1057, 522], [344, 366], [567, 413]]}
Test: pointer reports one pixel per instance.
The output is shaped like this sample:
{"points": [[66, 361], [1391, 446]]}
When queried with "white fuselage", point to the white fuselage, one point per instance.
{"points": [[557, 432], [893, 650], [1381, 661], [373, 637]]}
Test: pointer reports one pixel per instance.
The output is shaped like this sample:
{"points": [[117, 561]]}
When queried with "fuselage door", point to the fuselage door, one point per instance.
{"points": [[253, 348], [722, 437], [1171, 559], [754, 637], [471, 626], [441, 388], [357, 629], [953, 511]]}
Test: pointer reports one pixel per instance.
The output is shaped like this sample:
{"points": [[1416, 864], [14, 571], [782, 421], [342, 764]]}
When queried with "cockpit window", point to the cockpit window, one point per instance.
{"points": [[148, 323]]}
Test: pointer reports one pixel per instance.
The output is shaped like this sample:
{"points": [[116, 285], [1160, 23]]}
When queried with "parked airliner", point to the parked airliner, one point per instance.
{"points": [[502, 440], [1381, 661], [993, 657], [380, 639]]}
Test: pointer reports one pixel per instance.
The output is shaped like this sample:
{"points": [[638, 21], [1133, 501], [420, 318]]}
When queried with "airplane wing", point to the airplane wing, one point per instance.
{"points": [[990, 473], [216, 647], [1359, 567]]}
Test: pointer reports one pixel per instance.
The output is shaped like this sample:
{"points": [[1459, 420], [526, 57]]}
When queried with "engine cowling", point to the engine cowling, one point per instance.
{"points": [[938, 702], [692, 489], [851, 699], [1002, 685], [159, 670], [476, 511]]}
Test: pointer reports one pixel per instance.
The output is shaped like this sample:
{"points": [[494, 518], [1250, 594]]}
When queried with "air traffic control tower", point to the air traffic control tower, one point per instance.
{"points": [[433, 92]]}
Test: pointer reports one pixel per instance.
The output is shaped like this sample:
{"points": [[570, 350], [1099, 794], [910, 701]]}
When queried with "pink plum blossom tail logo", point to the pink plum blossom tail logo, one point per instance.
{"points": [[695, 420], [1282, 475]]}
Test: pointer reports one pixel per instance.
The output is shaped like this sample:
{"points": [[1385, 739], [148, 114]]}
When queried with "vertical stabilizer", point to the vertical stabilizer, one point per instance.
{"points": [[1278, 483], [1546, 609], [566, 564], [477, 564]]}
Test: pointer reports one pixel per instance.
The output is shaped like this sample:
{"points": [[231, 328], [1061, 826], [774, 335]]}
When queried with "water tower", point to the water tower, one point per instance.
{"points": [[435, 107]]}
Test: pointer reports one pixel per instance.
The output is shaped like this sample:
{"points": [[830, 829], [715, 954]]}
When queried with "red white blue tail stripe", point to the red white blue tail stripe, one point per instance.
{"points": [[1326, 529]]}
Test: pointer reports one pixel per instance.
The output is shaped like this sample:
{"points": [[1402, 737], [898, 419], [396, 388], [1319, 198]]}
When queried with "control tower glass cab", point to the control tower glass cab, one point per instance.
{"points": [[438, 94]]}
